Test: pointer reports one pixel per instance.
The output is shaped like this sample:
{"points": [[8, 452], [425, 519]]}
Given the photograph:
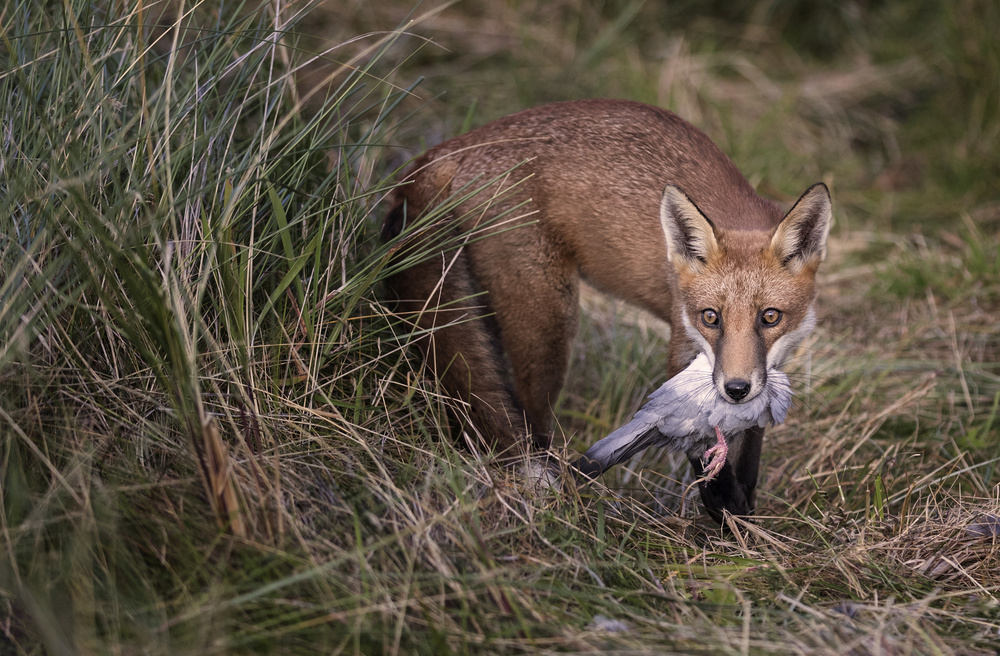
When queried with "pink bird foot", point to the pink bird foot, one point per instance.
{"points": [[715, 457]]}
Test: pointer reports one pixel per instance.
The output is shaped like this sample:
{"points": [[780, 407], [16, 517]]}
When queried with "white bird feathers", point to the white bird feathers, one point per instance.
{"points": [[688, 414]]}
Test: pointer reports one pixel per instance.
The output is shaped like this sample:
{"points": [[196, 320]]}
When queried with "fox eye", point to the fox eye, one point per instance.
{"points": [[770, 317], [710, 318]]}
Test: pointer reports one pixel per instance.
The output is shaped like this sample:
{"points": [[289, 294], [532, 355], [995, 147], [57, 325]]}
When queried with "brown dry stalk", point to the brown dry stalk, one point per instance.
{"points": [[221, 490]]}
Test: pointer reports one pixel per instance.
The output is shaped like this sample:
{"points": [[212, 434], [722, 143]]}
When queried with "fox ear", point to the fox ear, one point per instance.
{"points": [[800, 239], [690, 235]]}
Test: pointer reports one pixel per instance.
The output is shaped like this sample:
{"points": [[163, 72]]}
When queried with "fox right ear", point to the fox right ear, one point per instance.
{"points": [[690, 235]]}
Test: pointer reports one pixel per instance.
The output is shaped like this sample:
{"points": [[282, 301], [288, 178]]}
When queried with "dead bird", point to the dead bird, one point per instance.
{"points": [[686, 414]]}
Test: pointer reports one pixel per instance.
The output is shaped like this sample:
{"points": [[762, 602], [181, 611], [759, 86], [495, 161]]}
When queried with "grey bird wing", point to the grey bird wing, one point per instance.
{"points": [[619, 446], [672, 412]]}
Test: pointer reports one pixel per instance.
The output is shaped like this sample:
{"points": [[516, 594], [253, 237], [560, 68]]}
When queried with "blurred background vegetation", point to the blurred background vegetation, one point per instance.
{"points": [[884, 94], [214, 439]]}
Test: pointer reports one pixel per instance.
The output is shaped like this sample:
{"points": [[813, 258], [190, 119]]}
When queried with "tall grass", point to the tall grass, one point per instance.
{"points": [[214, 439], [187, 269]]}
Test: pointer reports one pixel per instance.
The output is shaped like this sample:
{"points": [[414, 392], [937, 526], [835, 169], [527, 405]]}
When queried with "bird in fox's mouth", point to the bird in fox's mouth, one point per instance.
{"points": [[688, 414]]}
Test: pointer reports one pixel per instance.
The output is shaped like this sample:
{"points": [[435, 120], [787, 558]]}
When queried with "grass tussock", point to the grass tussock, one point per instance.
{"points": [[214, 439]]}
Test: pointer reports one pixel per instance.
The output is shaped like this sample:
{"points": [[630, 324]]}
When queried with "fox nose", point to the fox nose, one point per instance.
{"points": [[737, 389]]}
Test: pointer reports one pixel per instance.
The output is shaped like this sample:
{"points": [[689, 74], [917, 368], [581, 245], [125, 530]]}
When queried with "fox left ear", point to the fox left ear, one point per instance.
{"points": [[800, 239]]}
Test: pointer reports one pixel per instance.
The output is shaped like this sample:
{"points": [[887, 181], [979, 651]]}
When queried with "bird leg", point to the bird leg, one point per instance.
{"points": [[715, 457]]}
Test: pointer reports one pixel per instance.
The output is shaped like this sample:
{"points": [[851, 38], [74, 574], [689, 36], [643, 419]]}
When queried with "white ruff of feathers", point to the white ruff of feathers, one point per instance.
{"points": [[683, 413]]}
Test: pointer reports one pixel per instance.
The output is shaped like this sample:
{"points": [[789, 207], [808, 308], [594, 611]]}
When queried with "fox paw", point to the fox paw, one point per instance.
{"points": [[541, 474]]}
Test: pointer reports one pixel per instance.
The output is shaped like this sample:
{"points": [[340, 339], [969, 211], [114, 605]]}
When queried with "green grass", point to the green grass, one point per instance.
{"points": [[214, 439]]}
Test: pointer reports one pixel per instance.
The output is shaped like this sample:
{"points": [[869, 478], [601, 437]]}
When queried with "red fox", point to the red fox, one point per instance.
{"points": [[640, 204]]}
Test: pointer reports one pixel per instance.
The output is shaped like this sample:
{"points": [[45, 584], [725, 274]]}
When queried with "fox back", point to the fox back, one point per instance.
{"points": [[630, 198]]}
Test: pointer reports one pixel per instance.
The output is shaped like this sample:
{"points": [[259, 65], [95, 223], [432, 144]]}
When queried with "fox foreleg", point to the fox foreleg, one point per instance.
{"points": [[734, 488]]}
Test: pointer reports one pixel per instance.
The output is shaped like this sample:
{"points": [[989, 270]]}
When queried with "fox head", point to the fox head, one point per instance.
{"points": [[746, 296]]}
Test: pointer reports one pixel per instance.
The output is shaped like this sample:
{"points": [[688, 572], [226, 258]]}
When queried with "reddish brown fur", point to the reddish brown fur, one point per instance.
{"points": [[590, 176]]}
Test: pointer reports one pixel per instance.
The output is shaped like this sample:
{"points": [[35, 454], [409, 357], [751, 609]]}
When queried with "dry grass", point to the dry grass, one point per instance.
{"points": [[287, 481]]}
